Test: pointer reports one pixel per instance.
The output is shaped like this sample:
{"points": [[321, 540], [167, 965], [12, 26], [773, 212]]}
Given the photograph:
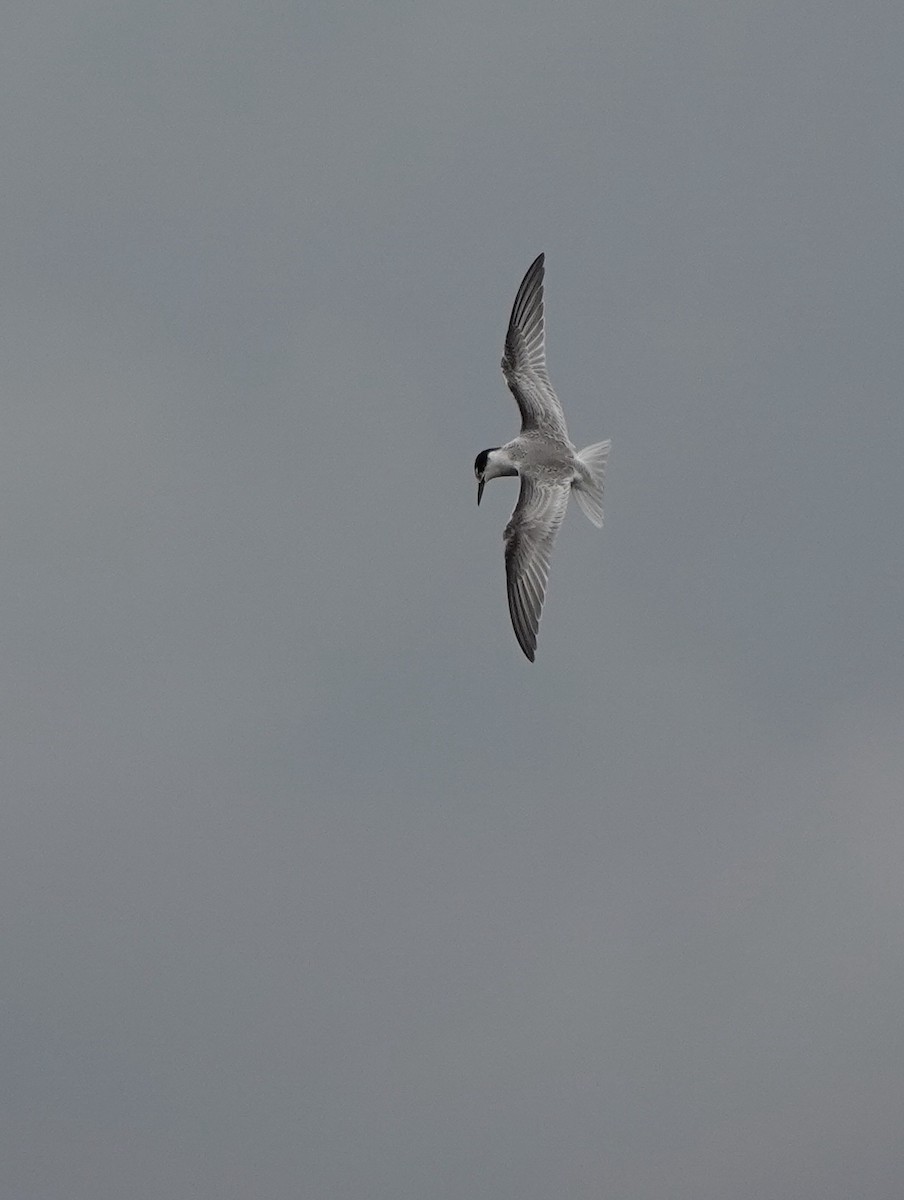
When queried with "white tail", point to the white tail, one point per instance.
{"points": [[588, 488]]}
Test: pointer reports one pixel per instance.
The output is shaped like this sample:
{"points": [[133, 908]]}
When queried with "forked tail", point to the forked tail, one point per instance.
{"points": [[588, 488]]}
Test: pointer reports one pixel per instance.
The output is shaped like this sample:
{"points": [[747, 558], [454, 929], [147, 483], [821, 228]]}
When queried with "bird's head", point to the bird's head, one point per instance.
{"points": [[480, 469]]}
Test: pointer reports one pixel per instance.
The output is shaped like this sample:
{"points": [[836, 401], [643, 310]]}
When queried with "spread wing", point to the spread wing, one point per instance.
{"points": [[529, 536], [524, 360]]}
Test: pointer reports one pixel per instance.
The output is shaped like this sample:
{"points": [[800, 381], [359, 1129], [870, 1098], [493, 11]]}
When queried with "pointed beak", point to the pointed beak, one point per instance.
{"points": [[480, 489]]}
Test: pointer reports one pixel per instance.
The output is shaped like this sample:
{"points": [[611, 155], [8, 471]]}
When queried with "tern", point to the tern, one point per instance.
{"points": [[543, 456]]}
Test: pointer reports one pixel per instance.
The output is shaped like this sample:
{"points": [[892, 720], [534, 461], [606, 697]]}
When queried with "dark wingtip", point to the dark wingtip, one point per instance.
{"points": [[537, 265], [528, 650]]}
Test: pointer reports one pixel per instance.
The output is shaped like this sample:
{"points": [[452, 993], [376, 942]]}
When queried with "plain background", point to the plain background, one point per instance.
{"points": [[311, 886]]}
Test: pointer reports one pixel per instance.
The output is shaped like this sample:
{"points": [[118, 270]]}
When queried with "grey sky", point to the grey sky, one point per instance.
{"points": [[310, 885]]}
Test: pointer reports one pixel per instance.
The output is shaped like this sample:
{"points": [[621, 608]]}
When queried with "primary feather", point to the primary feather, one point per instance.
{"points": [[524, 360], [529, 538]]}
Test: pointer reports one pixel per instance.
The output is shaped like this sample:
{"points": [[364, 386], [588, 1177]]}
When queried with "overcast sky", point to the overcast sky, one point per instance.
{"points": [[310, 885]]}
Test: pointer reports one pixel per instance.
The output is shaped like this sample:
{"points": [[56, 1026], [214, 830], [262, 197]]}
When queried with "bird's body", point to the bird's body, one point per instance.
{"points": [[544, 457]]}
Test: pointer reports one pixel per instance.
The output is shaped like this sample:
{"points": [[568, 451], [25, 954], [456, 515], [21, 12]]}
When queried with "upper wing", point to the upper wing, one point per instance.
{"points": [[529, 536], [524, 360]]}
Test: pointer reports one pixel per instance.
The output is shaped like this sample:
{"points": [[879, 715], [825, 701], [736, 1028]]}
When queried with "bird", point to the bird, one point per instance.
{"points": [[545, 459]]}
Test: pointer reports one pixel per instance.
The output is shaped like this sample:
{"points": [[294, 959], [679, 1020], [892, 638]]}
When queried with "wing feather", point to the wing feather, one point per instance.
{"points": [[529, 538], [524, 360]]}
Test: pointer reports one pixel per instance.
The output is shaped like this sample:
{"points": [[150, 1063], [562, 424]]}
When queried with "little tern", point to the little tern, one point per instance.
{"points": [[542, 455]]}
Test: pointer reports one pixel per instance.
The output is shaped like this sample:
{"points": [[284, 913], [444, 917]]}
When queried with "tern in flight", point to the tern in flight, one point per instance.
{"points": [[549, 465]]}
